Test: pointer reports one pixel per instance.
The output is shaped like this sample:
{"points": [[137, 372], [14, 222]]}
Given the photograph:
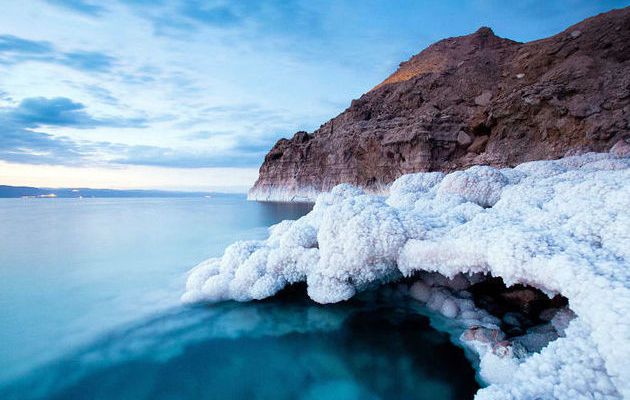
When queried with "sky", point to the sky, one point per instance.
{"points": [[191, 94]]}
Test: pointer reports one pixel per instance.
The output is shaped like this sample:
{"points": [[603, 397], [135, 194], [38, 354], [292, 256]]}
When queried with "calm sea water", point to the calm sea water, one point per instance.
{"points": [[89, 309]]}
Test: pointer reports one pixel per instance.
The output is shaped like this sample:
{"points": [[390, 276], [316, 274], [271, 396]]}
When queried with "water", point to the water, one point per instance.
{"points": [[89, 308]]}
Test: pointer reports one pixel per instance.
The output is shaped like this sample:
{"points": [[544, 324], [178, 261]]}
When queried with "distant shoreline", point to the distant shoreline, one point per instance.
{"points": [[28, 192]]}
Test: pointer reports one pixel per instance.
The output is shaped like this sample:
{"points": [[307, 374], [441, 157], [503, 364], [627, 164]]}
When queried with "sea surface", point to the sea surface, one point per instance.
{"points": [[89, 309]]}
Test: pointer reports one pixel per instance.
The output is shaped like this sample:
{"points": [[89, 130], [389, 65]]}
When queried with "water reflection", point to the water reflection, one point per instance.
{"points": [[275, 349], [274, 211]]}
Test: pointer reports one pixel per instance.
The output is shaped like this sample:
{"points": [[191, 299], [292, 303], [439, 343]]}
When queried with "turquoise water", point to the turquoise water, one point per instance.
{"points": [[89, 309]]}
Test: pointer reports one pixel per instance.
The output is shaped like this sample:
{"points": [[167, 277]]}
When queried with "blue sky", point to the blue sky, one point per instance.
{"points": [[189, 95]]}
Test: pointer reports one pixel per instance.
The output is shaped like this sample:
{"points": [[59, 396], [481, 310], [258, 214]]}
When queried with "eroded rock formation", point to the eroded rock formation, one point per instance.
{"points": [[476, 99]]}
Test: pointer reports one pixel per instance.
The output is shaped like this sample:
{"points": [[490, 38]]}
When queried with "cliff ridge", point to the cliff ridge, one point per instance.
{"points": [[468, 100]]}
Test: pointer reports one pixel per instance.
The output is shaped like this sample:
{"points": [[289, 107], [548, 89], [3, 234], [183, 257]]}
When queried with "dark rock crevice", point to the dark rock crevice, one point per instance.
{"points": [[519, 307]]}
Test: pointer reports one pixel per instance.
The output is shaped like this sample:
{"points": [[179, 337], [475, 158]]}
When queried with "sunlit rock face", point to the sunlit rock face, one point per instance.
{"points": [[560, 226], [470, 100]]}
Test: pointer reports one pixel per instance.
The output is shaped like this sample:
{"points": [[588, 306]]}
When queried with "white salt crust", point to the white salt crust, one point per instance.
{"points": [[562, 226], [280, 194]]}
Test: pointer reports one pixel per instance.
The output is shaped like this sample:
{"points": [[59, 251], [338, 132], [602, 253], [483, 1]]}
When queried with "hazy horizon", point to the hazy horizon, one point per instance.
{"points": [[217, 189]]}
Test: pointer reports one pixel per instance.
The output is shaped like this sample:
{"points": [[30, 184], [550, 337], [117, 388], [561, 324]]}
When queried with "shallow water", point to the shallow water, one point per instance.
{"points": [[89, 309]]}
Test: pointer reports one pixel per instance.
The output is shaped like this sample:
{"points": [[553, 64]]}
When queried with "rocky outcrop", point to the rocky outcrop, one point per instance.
{"points": [[476, 99]]}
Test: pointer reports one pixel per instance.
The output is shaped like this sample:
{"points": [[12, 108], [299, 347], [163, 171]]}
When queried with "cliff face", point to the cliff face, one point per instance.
{"points": [[476, 99]]}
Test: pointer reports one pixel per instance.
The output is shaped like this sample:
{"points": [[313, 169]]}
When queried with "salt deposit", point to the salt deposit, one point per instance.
{"points": [[562, 226]]}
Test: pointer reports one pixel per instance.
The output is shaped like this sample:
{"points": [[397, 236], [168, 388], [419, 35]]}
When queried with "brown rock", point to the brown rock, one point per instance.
{"points": [[484, 98], [515, 101], [482, 334], [502, 349], [527, 300], [621, 148], [478, 145], [463, 138]]}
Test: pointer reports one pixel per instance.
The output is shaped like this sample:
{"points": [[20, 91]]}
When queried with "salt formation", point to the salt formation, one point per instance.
{"points": [[480, 332], [561, 226]]}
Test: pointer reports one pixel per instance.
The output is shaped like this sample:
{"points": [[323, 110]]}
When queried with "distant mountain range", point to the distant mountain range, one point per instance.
{"points": [[27, 191]]}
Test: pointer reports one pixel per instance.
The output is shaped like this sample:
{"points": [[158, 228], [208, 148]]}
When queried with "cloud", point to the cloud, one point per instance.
{"points": [[172, 158], [58, 111], [205, 135], [212, 14], [4, 96], [101, 94], [26, 146], [281, 18], [177, 18], [29, 147], [22, 141], [254, 146], [34, 112], [242, 141], [244, 132], [14, 50], [10, 43], [253, 113], [80, 6], [88, 61]]}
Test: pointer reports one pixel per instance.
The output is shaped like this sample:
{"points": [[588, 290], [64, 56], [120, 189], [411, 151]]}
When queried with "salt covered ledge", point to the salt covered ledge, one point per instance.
{"points": [[281, 194], [561, 226]]}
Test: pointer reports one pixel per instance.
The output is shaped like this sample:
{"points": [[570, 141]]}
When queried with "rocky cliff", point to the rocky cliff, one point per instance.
{"points": [[475, 99]]}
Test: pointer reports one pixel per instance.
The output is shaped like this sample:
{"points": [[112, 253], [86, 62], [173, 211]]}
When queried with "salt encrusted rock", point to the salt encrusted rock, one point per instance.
{"points": [[529, 101], [479, 184], [621, 148], [420, 291], [483, 335], [502, 349], [560, 226], [561, 320], [449, 308], [534, 342]]}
